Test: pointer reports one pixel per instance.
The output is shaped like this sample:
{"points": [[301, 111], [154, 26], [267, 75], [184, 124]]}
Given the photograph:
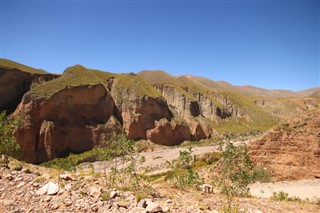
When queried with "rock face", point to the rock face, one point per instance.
{"points": [[292, 150], [82, 107], [169, 133], [72, 120], [74, 111], [14, 83], [139, 113]]}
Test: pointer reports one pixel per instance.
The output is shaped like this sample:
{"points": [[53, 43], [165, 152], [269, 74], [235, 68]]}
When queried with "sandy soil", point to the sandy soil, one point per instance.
{"points": [[303, 189]]}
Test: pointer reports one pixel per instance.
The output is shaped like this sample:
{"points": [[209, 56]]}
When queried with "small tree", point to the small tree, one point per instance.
{"points": [[235, 171], [8, 144]]}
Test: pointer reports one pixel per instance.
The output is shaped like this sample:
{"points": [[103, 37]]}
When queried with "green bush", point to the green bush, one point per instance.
{"points": [[261, 175], [183, 174], [236, 172], [8, 144], [283, 196]]}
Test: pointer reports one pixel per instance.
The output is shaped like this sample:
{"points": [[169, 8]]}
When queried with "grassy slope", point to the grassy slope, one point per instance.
{"points": [[78, 75], [156, 76], [260, 120], [7, 64]]}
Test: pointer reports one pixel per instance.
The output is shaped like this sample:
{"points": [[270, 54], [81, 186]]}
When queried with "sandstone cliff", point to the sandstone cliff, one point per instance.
{"points": [[73, 112], [14, 83], [291, 151]]}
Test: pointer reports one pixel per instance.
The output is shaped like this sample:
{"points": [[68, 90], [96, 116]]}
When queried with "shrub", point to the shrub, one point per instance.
{"points": [[8, 144], [283, 196], [261, 175], [183, 174], [236, 172]]}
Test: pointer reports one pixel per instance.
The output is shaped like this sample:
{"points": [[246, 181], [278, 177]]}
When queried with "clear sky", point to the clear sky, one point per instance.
{"points": [[270, 44]]}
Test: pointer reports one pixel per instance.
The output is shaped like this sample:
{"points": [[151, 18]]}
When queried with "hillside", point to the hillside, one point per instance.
{"points": [[291, 151], [72, 112], [8, 64], [157, 77], [309, 92]]}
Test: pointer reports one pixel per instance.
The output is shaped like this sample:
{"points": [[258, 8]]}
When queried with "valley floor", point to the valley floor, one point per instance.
{"points": [[85, 190]]}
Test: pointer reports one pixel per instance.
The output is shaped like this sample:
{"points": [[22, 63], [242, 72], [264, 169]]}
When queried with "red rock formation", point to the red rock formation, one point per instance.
{"points": [[292, 150], [71, 120], [169, 133], [14, 83]]}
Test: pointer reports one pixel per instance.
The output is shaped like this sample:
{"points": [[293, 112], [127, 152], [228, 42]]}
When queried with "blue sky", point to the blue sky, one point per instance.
{"points": [[269, 44]]}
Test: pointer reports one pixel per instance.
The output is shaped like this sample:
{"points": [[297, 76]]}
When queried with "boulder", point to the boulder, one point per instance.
{"points": [[169, 133]]}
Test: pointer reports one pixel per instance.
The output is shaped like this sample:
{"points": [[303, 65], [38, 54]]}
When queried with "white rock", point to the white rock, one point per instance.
{"points": [[53, 188], [50, 189]]}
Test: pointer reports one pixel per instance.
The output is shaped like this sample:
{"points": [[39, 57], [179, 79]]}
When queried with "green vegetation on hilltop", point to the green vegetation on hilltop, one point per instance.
{"points": [[132, 83], [79, 75], [156, 76], [7, 64], [259, 118]]}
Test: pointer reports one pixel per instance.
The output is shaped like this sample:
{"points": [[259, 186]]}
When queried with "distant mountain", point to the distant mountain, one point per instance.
{"points": [[156, 77], [316, 94], [309, 92]]}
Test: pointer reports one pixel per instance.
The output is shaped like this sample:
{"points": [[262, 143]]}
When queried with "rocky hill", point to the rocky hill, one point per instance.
{"points": [[75, 111], [158, 76], [15, 80], [291, 151]]}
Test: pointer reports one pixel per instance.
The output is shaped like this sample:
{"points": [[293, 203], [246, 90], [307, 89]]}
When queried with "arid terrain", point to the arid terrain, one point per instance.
{"points": [[95, 141]]}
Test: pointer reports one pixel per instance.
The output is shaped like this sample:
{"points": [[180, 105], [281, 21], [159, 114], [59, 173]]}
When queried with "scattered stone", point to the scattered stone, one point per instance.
{"points": [[55, 206], [9, 177], [50, 189], [138, 210], [8, 202], [94, 192], [113, 194], [47, 199], [68, 187], [165, 209], [169, 201], [68, 202], [66, 177], [61, 191], [35, 184], [153, 207], [142, 203], [43, 190], [21, 184], [122, 204], [26, 170], [207, 188], [53, 188]]}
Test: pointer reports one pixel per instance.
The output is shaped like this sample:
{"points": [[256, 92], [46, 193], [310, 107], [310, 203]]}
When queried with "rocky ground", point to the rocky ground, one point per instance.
{"points": [[30, 188]]}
